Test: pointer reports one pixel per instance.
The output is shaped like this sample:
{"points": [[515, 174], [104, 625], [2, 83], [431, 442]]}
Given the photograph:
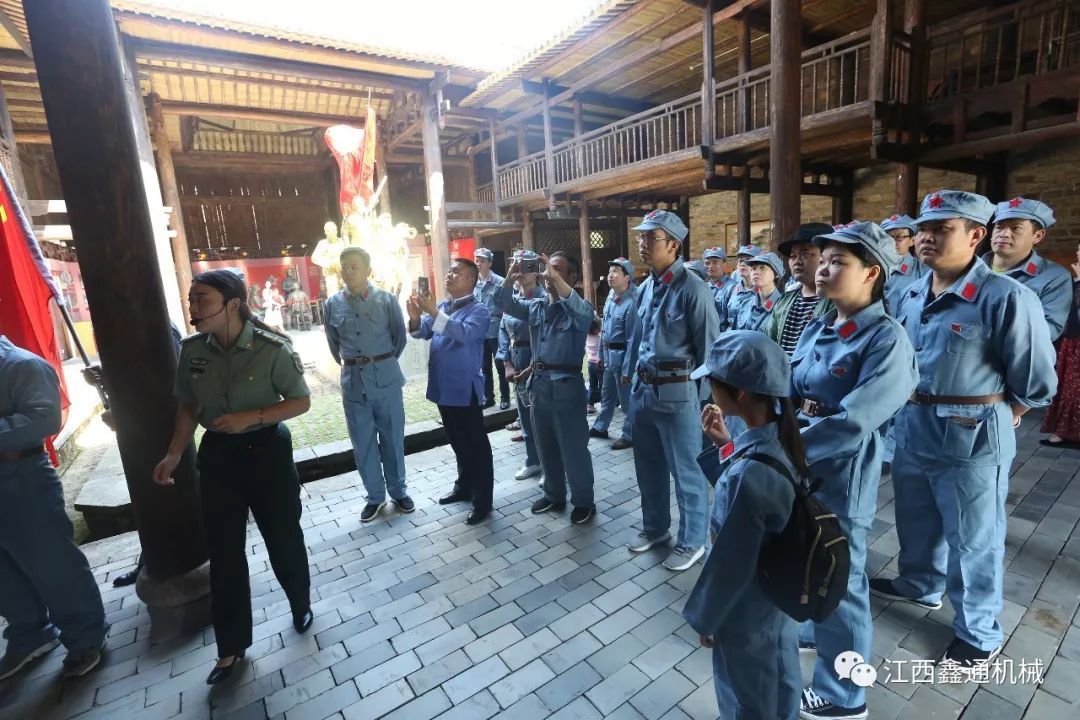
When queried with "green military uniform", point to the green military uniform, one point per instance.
{"points": [[249, 470]]}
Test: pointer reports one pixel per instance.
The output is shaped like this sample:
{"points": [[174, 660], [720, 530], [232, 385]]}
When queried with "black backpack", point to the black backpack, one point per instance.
{"points": [[804, 569]]}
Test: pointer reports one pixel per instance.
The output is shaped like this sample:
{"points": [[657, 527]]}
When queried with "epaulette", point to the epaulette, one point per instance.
{"points": [[270, 336]]}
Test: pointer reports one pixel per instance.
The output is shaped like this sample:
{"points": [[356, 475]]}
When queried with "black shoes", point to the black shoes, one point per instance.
{"points": [[966, 656], [884, 589], [301, 622], [504, 405], [477, 516], [489, 403], [371, 511], [621, 444], [594, 433], [454, 497], [544, 505], [221, 674], [405, 505], [582, 514]]}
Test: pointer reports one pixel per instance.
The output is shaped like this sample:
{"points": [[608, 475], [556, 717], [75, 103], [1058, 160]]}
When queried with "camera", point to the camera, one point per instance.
{"points": [[529, 266]]}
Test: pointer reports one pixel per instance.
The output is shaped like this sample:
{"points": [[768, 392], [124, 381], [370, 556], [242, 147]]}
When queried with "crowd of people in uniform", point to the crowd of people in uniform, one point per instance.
{"points": [[838, 357]]}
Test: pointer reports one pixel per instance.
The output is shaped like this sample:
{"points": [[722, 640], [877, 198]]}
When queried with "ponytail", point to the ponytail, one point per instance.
{"points": [[791, 438]]}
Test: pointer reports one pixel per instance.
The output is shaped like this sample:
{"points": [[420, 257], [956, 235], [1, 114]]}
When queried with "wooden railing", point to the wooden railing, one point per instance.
{"points": [[523, 176], [654, 133], [1030, 38], [485, 193], [834, 75]]}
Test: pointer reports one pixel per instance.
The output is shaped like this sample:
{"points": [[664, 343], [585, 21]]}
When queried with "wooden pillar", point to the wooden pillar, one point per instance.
{"points": [[785, 97], [683, 211], [992, 183], [171, 195], [579, 130], [436, 191], [881, 42], [907, 174], [743, 119], [587, 286], [80, 64], [386, 205], [549, 155], [843, 205], [742, 208], [708, 85], [495, 189], [527, 230], [11, 150], [522, 141]]}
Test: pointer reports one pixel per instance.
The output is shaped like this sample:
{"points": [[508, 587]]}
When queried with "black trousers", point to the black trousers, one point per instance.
{"points": [[476, 475], [491, 346], [253, 471]]}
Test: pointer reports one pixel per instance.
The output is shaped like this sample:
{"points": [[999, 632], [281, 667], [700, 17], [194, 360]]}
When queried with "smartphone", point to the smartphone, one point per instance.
{"points": [[422, 286], [529, 266]]}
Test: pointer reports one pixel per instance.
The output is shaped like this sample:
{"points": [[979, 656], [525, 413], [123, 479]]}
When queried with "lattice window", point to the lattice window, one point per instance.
{"points": [[601, 239]]}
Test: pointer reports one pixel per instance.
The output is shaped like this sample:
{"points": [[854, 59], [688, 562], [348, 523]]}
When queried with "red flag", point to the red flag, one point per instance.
{"points": [[354, 150], [26, 287]]}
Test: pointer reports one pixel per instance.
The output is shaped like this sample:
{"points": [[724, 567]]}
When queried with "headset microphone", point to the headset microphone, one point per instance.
{"points": [[196, 321]]}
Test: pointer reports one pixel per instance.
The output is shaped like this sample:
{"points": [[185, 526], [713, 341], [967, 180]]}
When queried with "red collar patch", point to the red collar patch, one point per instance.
{"points": [[667, 277], [727, 450], [1016, 202], [936, 201], [1032, 268], [618, 299], [903, 268], [839, 371], [969, 291], [847, 329], [768, 304], [956, 327]]}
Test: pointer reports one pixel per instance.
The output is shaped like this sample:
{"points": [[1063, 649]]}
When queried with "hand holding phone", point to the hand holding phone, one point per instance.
{"points": [[422, 285]]}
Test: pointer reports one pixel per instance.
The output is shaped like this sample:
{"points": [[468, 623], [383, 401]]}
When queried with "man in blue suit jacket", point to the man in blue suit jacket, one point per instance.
{"points": [[457, 327]]}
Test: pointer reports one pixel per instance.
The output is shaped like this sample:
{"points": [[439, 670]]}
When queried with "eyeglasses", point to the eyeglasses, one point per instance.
{"points": [[649, 237]]}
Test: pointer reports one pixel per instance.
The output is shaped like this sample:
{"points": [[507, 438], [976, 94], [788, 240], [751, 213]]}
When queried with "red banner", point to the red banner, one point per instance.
{"points": [[354, 150], [26, 287]]}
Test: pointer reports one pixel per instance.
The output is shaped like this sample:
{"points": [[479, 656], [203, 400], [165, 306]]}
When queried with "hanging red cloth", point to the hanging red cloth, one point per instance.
{"points": [[354, 150], [26, 287]]}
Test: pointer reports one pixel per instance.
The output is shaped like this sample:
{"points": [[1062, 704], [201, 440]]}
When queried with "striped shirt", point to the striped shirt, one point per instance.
{"points": [[802, 311]]}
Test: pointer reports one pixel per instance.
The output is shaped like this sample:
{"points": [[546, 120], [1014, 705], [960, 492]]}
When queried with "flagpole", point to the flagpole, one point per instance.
{"points": [[82, 351]]}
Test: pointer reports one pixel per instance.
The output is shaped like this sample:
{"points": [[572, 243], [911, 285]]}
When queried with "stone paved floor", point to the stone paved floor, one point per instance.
{"points": [[526, 617]]}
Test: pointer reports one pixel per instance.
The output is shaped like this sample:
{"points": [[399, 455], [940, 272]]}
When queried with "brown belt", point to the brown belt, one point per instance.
{"points": [[21, 454], [812, 408], [519, 343], [650, 379], [364, 360], [615, 346], [921, 398], [551, 367]]}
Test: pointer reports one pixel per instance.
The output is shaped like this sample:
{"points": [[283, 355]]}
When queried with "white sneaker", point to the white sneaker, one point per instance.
{"points": [[527, 471], [682, 558]]}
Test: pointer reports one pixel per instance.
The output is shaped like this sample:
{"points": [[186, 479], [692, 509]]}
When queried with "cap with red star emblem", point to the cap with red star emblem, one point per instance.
{"points": [[771, 260], [899, 222], [669, 222], [1020, 208], [949, 204], [714, 253]]}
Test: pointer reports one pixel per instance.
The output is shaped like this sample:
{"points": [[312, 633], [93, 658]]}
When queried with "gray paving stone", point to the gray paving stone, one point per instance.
{"points": [[662, 694], [386, 673], [424, 707], [1045, 706], [616, 655], [618, 597], [292, 695], [571, 652], [480, 706], [985, 705], [326, 704], [361, 662], [445, 644], [618, 624], [495, 619], [493, 643], [580, 709], [701, 704], [475, 679], [662, 657], [438, 672], [568, 686], [420, 634], [521, 682], [528, 649], [617, 688], [581, 595], [379, 703]]}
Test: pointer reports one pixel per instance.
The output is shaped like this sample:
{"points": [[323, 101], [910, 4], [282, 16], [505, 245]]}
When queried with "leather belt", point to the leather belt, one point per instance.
{"points": [[650, 379], [22, 454], [615, 346], [674, 365], [364, 360], [519, 343], [921, 398], [812, 408], [551, 367]]}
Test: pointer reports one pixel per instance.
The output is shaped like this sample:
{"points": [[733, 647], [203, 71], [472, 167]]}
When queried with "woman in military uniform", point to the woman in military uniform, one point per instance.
{"points": [[240, 381]]}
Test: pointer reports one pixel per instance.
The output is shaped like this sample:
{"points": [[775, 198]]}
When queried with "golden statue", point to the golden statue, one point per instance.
{"points": [[386, 243], [327, 255]]}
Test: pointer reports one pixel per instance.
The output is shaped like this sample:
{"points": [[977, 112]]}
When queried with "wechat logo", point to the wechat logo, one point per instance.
{"points": [[852, 666]]}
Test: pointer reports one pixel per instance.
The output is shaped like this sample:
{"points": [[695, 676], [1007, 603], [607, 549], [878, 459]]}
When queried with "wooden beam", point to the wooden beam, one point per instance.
{"points": [[242, 113], [811, 35], [708, 82], [251, 162], [785, 102], [1001, 143], [170, 52], [436, 193], [591, 98], [170, 194], [81, 64], [652, 49], [15, 76], [16, 34], [353, 93], [410, 130]]}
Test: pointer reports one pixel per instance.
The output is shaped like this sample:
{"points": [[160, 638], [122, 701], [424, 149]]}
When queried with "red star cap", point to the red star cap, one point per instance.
{"points": [[1016, 202], [936, 201]]}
